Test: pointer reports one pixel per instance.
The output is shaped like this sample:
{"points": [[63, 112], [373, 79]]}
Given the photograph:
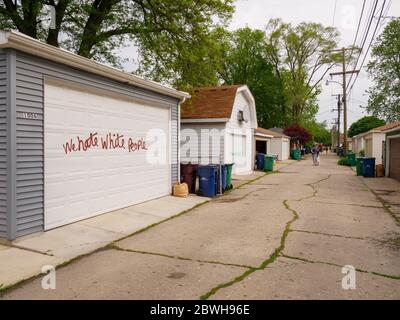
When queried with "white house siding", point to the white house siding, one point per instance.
{"points": [[378, 140], [202, 143], [240, 137], [373, 143], [359, 143], [3, 143]]}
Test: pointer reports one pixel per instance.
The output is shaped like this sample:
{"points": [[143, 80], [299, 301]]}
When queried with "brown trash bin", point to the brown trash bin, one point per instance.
{"points": [[380, 171], [189, 175]]}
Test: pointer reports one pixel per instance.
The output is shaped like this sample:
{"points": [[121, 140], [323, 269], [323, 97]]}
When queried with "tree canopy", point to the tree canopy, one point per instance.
{"points": [[185, 43], [365, 124], [245, 62], [172, 36], [319, 131], [384, 69], [302, 56], [298, 135]]}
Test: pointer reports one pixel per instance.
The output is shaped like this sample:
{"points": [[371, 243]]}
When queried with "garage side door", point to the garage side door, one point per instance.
{"points": [[285, 150], [394, 167], [239, 153], [108, 176]]}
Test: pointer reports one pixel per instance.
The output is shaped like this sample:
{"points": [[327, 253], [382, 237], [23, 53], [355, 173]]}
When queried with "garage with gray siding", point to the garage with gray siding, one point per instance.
{"points": [[24, 75]]}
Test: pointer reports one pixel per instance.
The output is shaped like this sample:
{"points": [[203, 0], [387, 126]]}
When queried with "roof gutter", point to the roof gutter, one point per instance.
{"points": [[391, 130], [205, 120], [18, 41]]}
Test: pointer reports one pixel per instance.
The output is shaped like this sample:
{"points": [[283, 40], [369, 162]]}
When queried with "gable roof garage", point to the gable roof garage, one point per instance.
{"points": [[217, 126], [372, 142], [392, 156], [78, 138]]}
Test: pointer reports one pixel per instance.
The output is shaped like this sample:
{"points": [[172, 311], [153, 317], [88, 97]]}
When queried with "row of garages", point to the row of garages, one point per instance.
{"points": [[79, 138], [383, 144]]}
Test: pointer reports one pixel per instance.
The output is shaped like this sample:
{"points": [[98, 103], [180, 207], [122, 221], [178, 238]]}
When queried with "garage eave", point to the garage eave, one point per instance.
{"points": [[206, 120], [263, 135], [18, 41]]}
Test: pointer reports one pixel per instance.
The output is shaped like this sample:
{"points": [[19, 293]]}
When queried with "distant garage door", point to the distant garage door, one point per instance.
{"points": [[394, 164], [285, 150], [96, 156]]}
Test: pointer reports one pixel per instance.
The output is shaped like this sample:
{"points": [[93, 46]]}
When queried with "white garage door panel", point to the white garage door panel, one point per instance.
{"points": [[83, 184], [285, 150]]}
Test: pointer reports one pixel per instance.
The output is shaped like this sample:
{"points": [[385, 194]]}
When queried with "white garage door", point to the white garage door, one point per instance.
{"points": [[102, 153], [285, 150]]}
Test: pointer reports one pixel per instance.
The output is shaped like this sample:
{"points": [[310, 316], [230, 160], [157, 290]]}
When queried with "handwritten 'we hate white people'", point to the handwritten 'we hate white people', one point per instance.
{"points": [[111, 141]]}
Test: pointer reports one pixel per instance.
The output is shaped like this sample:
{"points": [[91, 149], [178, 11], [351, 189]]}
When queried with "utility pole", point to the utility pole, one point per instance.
{"points": [[344, 73], [339, 107], [344, 100]]}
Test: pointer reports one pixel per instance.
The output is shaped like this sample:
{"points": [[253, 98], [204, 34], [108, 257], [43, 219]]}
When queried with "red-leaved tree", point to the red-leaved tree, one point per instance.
{"points": [[299, 136]]}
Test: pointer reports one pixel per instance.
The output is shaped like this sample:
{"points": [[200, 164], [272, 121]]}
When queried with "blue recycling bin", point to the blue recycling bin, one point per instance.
{"points": [[221, 176], [208, 180], [260, 161], [369, 167]]}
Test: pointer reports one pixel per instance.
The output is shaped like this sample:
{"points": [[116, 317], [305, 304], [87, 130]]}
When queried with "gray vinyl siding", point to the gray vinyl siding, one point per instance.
{"points": [[3, 143], [30, 76], [175, 145]]}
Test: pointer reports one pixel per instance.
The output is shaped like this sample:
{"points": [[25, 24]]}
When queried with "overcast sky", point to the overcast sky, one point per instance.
{"points": [[256, 13]]}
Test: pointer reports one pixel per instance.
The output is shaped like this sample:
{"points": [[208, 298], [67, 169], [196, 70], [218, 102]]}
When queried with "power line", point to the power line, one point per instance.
{"points": [[384, 16], [370, 44], [366, 32], [334, 13], [358, 27]]}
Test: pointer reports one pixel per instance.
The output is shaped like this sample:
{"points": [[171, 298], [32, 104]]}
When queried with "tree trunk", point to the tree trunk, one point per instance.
{"points": [[52, 37], [100, 9]]}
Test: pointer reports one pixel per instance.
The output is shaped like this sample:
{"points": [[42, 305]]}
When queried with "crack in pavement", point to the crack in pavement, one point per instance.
{"points": [[394, 277], [344, 204], [116, 247], [386, 205], [279, 251], [271, 259], [265, 263], [224, 199], [312, 185], [330, 234]]}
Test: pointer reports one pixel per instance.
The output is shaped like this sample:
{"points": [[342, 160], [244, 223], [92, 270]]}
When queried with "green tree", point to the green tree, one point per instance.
{"points": [[384, 69], [302, 56], [245, 62], [365, 124], [319, 131], [164, 31]]}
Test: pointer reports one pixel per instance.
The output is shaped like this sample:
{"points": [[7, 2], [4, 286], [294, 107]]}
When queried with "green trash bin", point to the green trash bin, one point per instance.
{"points": [[360, 166], [269, 163], [351, 158], [296, 154], [229, 175]]}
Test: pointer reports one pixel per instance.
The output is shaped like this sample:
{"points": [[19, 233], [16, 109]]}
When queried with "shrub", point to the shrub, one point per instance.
{"points": [[361, 153], [344, 162]]}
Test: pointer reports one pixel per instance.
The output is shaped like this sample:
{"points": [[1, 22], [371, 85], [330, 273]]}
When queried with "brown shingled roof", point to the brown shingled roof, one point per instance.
{"points": [[210, 103], [388, 126]]}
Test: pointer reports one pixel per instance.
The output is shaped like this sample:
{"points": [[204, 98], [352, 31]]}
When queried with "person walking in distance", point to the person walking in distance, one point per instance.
{"points": [[315, 154]]}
